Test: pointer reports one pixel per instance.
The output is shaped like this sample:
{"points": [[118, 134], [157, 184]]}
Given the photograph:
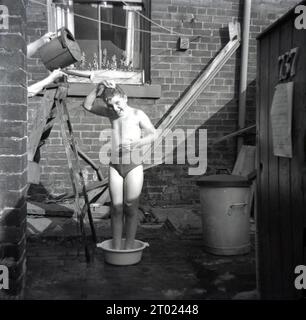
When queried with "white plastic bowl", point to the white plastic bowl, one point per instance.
{"points": [[122, 257]]}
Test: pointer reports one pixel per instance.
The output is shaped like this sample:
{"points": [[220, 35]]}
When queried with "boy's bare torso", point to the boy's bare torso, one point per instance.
{"points": [[131, 128], [125, 129]]}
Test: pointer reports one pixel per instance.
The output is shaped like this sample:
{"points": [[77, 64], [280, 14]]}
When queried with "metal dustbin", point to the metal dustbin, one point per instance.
{"points": [[225, 215]]}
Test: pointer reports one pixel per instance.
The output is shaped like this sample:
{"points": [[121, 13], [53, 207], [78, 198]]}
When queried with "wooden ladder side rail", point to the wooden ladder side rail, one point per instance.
{"points": [[93, 165], [80, 173], [200, 84], [75, 175], [40, 122], [50, 124], [74, 183]]}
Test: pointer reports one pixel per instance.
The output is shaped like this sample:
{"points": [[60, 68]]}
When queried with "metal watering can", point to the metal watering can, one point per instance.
{"points": [[61, 51]]}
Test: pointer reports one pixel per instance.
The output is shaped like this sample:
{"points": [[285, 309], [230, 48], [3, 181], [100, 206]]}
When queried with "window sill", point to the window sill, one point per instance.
{"points": [[147, 91]]}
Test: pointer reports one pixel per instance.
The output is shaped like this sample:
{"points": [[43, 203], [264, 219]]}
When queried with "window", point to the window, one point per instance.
{"points": [[114, 36]]}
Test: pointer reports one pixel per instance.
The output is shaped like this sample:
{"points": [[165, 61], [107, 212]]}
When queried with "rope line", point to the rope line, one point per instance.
{"points": [[123, 27], [155, 23]]}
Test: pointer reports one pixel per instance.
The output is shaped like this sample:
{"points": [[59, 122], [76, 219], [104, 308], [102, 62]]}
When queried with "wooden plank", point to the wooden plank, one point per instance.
{"points": [[251, 197], [50, 210], [100, 212], [273, 205], [104, 197], [33, 172], [152, 91], [245, 163], [234, 31], [97, 186], [298, 163], [49, 125], [262, 216], [120, 1], [121, 77], [100, 195], [284, 191], [234, 134], [94, 166], [35, 209], [42, 115], [258, 254]]}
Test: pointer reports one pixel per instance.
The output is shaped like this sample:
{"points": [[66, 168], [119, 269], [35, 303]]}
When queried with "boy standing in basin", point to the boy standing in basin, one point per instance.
{"points": [[125, 168]]}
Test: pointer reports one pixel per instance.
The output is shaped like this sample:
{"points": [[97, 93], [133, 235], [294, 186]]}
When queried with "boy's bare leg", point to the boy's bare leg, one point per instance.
{"points": [[116, 194], [132, 189]]}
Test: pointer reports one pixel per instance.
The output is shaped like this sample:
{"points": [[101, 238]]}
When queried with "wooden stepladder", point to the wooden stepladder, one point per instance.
{"points": [[76, 175], [53, 105]]}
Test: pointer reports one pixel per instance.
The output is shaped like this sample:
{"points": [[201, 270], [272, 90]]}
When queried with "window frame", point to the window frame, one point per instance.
{"points": [[145, 38]]}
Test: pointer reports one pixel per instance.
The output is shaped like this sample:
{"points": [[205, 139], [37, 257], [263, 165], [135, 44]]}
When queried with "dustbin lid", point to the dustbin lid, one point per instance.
{"points": [[223, 180]]}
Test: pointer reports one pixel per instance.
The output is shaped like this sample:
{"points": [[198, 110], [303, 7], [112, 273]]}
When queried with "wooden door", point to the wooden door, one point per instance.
{"points": [[280, 193]]}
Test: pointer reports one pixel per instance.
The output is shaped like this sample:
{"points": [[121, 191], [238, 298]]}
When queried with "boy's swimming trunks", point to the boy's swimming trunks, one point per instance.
{"points": [[124, 168]]}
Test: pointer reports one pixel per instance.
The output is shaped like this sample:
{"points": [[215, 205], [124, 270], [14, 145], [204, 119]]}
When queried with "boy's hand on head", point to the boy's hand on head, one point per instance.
{"points": [[100, 88], [109, 83], [104, 84]]}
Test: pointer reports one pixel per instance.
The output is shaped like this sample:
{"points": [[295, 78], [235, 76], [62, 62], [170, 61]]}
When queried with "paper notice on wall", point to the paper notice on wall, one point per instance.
{"points": [[281, 120]]}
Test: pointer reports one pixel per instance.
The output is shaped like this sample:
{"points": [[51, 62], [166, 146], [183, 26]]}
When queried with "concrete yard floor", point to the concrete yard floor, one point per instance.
{"points": [[175, 266]]}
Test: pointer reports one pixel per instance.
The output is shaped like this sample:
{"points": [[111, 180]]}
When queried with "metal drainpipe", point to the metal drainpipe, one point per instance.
{"points": [[244, 68]]}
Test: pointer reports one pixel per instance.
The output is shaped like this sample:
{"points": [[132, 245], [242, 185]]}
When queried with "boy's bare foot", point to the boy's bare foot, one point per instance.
{"points": [[129, 245]]}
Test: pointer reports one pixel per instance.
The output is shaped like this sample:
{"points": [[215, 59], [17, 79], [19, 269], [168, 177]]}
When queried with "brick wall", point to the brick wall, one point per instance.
{"points": [[215, 110], [13, 157]]}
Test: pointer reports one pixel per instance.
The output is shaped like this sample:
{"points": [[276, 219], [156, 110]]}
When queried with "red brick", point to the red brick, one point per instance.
{"points": [[13, 94], [13, 129], [12, 146], [12, 164], [10, 41]]}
